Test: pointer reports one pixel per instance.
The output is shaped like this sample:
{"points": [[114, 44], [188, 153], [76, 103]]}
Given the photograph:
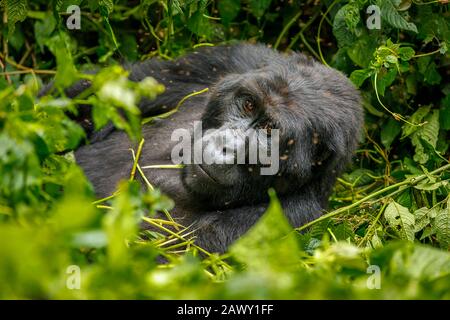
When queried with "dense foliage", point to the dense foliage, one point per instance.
{"points": [[389, 214]]}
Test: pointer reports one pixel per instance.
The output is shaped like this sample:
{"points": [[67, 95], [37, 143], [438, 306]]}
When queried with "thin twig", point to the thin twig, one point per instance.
{"points": [[136, 159]]}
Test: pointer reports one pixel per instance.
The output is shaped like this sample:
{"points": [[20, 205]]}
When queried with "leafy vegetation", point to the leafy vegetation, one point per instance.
{"points": [[389, 215]]}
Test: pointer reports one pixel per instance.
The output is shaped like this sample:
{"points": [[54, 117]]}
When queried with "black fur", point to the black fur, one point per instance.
{"points": [[316, 108]]}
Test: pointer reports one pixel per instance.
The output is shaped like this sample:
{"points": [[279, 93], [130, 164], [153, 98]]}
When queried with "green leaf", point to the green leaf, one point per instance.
{"points": [[427, 232], [128, 46], [390, 14], [43, 30], [359, 76], [428, 186], [270, 243], [390, 131], [401, 220], [422, 219], [66, 73], [413, 261], [429, 132], [228, 10], [341, 255], [429, 70], [19, 166], [416, 118], [16, 11], [258, 7], [391, 59], [348, 14], [121, 224], [442, 226], [403, 5], [105, 9], [199, 24], [361, 51], [17, 39], [90, 239], [385, 79], [359, 177], [431, 75], [108, 6], [406, 53], [444, 113], [368, 107], [405, 198], [62, 5], [100, 113], [411, 84]]}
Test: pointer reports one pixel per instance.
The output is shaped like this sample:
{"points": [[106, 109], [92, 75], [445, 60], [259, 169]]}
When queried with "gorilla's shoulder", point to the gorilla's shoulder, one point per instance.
{"points": [[210, 61]]}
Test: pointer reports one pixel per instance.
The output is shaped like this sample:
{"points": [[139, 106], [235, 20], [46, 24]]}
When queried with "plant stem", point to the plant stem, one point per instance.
{"points": [[410, 181], [318, 31], [286, 28], [426, 54], [136, 159]]}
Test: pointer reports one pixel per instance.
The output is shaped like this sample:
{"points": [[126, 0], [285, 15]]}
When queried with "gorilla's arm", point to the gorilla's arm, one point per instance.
{"points": [[215, 232]]}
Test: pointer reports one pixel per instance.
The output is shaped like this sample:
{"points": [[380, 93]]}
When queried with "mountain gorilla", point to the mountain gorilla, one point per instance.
{"points": [[316, 110]]}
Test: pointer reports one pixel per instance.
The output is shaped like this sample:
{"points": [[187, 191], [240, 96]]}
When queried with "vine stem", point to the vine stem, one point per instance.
{"points": [[179, 104], [426, 54], [286, 28], [411, 181], [11, 73], [320, 27], [373, 225], [396, 116], [144, 177], [302, 36]]}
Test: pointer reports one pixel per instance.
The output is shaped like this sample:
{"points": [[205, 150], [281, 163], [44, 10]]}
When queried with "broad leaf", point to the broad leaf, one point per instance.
{"points": [[348, 14], [422, 219], [390, 14], [229, 10], [401, 220], [416, 118], [390, 131], [359, 76], [16, 11], [258, 7], [429, 133], [270, 244], [442, 226]]}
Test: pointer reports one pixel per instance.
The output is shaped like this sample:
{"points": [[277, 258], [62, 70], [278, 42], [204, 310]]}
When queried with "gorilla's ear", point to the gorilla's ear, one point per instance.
{"points": [[334, 146]]}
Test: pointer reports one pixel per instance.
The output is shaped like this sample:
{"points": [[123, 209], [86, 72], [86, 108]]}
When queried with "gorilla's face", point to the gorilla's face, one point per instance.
{"points": [[313, 111], [250, 129]]}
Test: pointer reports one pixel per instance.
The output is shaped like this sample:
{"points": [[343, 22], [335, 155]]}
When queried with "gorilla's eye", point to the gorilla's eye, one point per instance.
{"points": [[249, 106]]}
